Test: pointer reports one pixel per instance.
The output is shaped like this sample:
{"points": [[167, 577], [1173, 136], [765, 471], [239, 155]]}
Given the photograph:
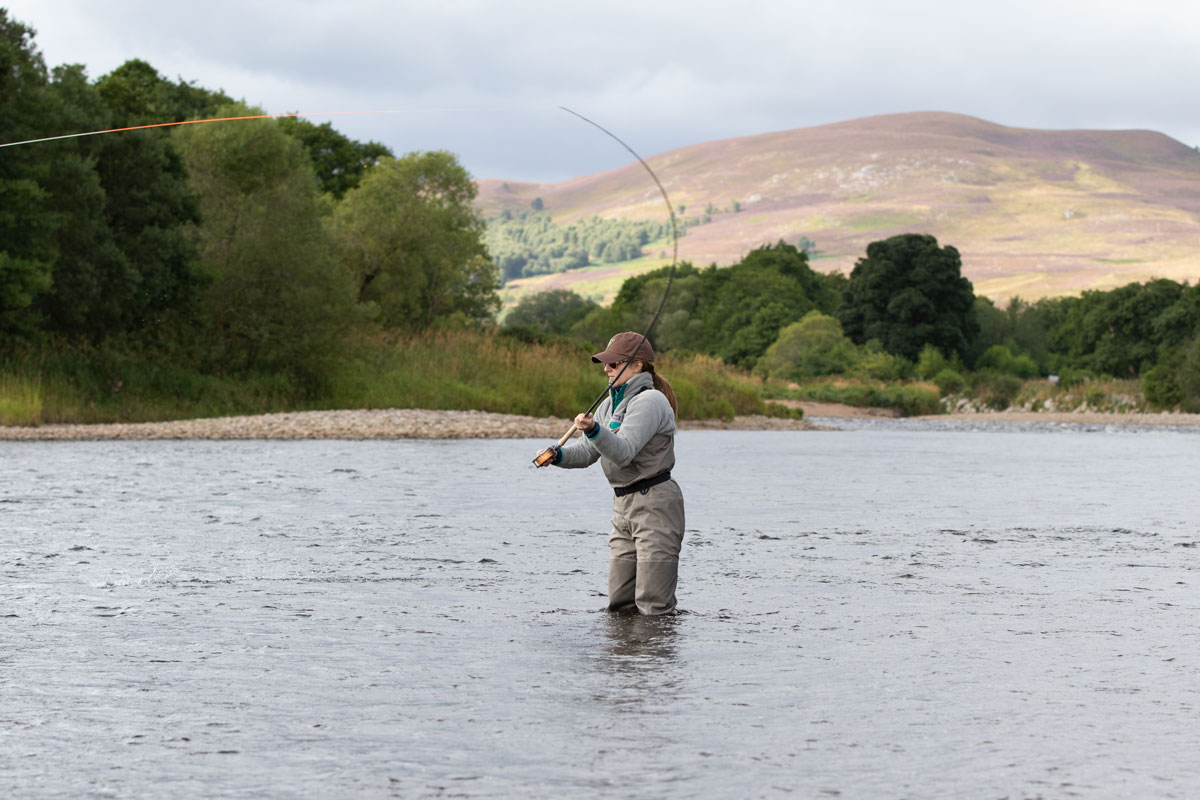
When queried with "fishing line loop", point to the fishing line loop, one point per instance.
{"points": [[674, 248]]}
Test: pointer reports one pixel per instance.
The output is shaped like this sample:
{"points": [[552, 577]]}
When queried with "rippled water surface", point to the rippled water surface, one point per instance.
{"points": [[881, 612]]}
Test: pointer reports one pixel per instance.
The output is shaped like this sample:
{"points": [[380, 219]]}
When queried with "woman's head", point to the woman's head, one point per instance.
{"points": [[631, 352], [625, 346], [626, 355]]}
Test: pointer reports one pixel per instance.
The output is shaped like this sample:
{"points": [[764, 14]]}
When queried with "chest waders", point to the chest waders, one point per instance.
{"points": [[647, 526]]}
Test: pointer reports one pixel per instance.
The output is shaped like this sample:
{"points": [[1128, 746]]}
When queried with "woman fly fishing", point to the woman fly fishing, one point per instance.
{"points": [[632, 435]]}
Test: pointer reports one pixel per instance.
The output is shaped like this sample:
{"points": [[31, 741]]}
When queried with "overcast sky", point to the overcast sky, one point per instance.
{"points": [[485, 79]]}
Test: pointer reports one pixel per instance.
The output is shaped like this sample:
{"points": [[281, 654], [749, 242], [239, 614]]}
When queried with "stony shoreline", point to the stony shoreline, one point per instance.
{"points": [[427, 424], [1172, 418], [393, 423]]}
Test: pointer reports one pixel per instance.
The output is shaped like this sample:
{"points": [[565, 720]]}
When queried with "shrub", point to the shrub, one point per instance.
{"points": [[1188, 376], [1175, 380], [931, 362], [1160, 388], [881, 366], [949, 382], [918, 400], [810, 348], [20, 401], [999, 358], [996, 389]]}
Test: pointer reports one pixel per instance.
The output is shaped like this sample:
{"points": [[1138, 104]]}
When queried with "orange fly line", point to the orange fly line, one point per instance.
{"points": [[196, 122]]}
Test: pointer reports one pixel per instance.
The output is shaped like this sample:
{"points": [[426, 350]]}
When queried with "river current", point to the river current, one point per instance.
{"points": [[895, 611]]}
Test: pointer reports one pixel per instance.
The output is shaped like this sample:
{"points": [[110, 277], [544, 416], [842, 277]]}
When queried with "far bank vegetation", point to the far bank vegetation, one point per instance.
{"points": [[279, 265]]}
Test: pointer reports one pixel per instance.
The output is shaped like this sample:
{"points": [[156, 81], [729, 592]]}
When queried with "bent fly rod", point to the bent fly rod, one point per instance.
{"points": [[543, 458]]}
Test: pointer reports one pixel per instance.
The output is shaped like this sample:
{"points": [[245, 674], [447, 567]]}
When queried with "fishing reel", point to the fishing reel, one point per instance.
{"points": [[547, 456]]}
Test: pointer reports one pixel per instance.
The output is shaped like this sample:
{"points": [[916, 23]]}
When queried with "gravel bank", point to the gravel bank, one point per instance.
{"points": [[411, 423], [376, 424], [1081, 417]]}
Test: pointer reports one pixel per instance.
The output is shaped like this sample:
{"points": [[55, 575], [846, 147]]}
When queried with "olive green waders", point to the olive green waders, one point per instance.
{"points": [[647, 533]]}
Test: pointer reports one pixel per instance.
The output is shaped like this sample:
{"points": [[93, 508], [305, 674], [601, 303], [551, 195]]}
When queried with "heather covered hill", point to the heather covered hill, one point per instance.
{"points": [[1033, 212]]}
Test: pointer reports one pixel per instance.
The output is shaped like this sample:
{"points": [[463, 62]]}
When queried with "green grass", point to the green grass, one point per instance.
{"points": [[20, 400], [909, 398], [448, 370], [875, 221], [596, 280]]}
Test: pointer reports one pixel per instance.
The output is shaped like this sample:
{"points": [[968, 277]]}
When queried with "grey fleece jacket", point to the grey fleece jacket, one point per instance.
{"points": [[635, 441]]}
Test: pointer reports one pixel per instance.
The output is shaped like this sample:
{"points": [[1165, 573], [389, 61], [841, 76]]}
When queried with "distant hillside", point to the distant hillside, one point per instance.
{"points": [[1034, 213]]}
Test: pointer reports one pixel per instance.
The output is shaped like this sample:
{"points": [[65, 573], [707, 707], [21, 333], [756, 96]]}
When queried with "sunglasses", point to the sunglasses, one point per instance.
{"points": [[615, 364]]}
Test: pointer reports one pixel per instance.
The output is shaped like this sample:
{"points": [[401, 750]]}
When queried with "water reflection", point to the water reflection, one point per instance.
{"points": [[638, 663], [636, 643]]}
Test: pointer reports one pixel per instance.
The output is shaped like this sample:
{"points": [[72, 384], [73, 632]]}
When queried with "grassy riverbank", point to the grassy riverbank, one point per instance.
{"points": [[449, 370]]}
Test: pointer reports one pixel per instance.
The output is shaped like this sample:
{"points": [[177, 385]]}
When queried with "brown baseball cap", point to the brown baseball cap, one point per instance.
{"points": [[623, 346]]}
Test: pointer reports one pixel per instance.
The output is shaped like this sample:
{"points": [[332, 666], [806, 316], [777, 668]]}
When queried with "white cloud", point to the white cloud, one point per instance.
{"points": [[485, 78]]}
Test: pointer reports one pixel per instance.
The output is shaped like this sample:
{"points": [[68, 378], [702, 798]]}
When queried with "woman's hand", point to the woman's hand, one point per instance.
{"points": [[584, 422]]}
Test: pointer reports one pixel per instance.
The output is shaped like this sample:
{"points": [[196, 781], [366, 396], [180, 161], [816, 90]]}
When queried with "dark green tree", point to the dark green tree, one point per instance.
{"points": [[552, 312], [908, 292], [136, 94], [28, 219], [1115, 333], [126, 262], [339, 161]]}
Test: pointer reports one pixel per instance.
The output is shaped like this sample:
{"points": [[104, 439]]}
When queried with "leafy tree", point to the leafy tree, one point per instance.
{"points": [[907, 292], [136, 94], [278, 299], [340, 162], [128, 265], [1114, 332], [812, 347], [554, 311], [91, 276], [1180, 321], [28, 221], [414, 244], [734, 312]]}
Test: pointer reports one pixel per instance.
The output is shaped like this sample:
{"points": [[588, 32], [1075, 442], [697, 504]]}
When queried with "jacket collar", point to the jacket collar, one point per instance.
{"points": [[638, 383]]}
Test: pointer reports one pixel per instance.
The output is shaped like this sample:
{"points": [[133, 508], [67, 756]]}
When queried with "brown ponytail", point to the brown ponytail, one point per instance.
{"points": [[661, 384]]}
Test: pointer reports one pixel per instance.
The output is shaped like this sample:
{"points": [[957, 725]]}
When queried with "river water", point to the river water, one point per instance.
{"points": [[886, 612]]}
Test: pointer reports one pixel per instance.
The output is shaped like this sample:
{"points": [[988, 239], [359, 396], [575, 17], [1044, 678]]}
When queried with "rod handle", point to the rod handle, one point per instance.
{"points": [[566, 436]]}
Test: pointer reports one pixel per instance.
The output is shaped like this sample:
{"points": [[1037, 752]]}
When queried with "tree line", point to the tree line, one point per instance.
{"points": [[905, 311], [249, 245], [531, 243]]}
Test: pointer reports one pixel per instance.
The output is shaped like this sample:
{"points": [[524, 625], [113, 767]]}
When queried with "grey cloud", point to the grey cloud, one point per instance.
{"points": [[484, 78]]}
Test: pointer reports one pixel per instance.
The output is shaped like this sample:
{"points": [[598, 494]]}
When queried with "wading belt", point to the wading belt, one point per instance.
{"points": [[643, 485]]}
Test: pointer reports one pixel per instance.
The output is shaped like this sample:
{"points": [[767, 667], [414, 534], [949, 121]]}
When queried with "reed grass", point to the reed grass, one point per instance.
{"points": [[911, 398], [443, 370], [20, 401]]}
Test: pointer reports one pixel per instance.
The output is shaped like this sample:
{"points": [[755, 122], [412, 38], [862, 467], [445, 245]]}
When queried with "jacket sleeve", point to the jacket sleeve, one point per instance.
{"points": [[648, 415], [578, 453]]}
